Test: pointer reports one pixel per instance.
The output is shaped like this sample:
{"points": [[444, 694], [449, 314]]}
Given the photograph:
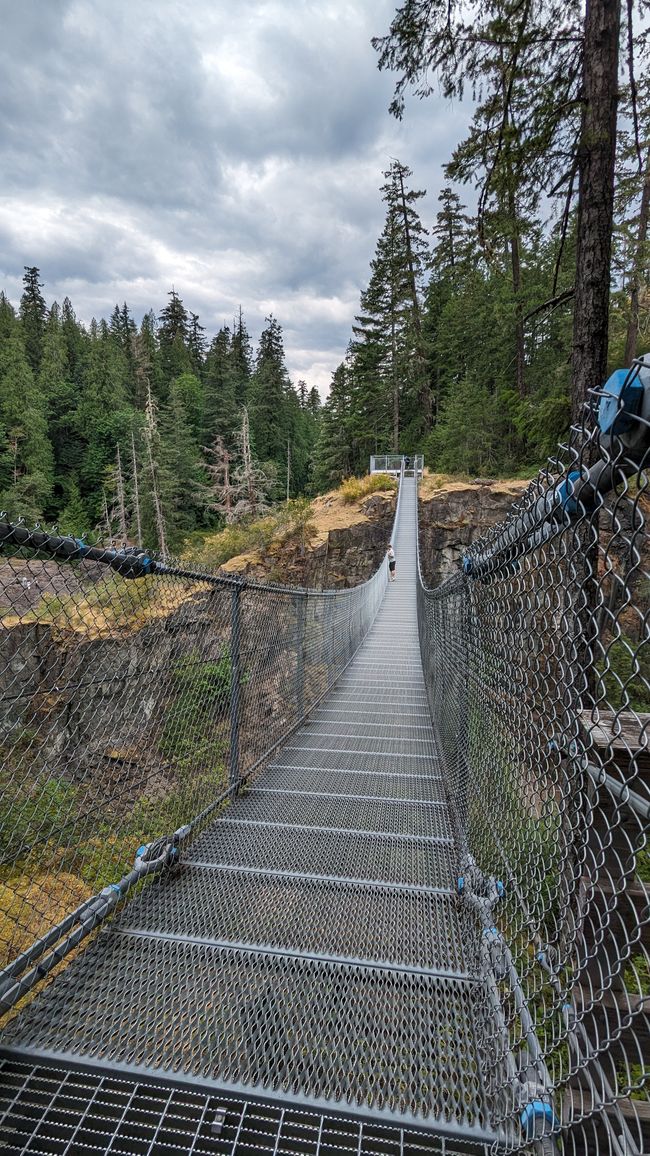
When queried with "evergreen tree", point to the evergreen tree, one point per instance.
{"points": [[334, 453], [33, 315], [389, 358], [104, 416], [76, 343], [147, 370], [174, 339], [196, 343], [221, 416], [241, 353], [268, 392], [8, 320], [26, 459], [314, 405], [124, 331], [545, 77], [73, 518], [302, 433], [61, 396], [181, 476], [189, 392], [453, 247]]}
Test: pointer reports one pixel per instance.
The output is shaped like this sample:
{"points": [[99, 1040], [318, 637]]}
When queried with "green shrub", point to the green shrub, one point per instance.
{"points": [[201, 701], [643, 865], [634, 1077], [636, 976], [41, 809], [624, 675]]}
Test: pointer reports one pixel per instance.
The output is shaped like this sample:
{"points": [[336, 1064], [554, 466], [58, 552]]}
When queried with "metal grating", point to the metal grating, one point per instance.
{"points": [[405, 818], [47, 1111], [349, 855], [418, 929], [306, 755], [398, 1044], [374, 784]]}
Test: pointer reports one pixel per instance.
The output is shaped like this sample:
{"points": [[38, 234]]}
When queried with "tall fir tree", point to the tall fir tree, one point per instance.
{"points": [[33, 315], [221, 416], [268, 392], [61, 397], [26, 458], [241, 353], [392, 391], [124, 331], [174, 339], [104, 416], [334, 457]]}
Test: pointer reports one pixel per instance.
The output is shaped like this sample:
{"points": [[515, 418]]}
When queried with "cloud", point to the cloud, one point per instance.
{"points": [[234, 152]]}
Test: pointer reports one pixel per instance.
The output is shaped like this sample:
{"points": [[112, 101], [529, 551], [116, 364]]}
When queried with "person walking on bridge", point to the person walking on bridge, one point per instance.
{"points": [[391, 562]]}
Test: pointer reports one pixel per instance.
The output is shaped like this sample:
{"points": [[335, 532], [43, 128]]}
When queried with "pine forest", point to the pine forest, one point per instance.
{"points": [[477, 334]]}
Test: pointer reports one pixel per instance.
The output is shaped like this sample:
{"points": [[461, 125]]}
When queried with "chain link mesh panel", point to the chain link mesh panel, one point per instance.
{"points": [[537, 667], [132, 707]]}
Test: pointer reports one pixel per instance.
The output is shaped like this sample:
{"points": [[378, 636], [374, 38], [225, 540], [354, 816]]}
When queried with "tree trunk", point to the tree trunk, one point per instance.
{"points": [[395, 386], [107, 519], [515, 264], [639, 255], [596, 156], [227, 489], [136, 494], [150, 432], [514, 240], [519, 316], [424, 391], [119, 486]]}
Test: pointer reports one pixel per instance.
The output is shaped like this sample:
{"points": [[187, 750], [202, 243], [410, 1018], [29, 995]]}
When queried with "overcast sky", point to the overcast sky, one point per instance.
{"points": [[231, 148]]}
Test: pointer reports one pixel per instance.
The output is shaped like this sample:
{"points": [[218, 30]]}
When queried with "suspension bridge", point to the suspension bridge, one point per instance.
{"points": [[392, 889]]}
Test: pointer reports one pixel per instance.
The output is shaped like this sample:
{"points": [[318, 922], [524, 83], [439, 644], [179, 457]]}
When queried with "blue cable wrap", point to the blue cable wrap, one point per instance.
{"points": [[535, 1111], [565, 496], [130, 563]]}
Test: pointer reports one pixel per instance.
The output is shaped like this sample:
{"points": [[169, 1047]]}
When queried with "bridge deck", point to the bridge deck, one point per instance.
{"points": [[309, 950]]}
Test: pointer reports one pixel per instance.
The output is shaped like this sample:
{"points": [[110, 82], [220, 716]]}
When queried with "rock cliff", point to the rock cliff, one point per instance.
{"points": [[453, 514]]}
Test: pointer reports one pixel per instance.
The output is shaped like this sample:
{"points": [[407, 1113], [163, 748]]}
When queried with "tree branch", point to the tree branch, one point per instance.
{"points": [[558, 300]]}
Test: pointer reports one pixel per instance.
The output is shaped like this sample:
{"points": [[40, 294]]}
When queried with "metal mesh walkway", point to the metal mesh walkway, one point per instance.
{"points": [[309, 948]]}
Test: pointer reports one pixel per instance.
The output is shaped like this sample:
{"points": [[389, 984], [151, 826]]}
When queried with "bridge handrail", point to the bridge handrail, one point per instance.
{"points": [[536, 658], [213, 672]]}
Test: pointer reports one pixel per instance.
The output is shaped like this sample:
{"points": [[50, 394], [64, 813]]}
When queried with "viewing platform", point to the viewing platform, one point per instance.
{"points": [[392, 464]]}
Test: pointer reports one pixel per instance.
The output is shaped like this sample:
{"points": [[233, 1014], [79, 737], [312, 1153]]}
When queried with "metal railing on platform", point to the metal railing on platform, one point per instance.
{"points": [[395, 463]]}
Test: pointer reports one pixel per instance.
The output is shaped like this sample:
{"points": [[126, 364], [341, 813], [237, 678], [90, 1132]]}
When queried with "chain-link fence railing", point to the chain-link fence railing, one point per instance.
{"points": [[537, 664], [136, 698]]}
